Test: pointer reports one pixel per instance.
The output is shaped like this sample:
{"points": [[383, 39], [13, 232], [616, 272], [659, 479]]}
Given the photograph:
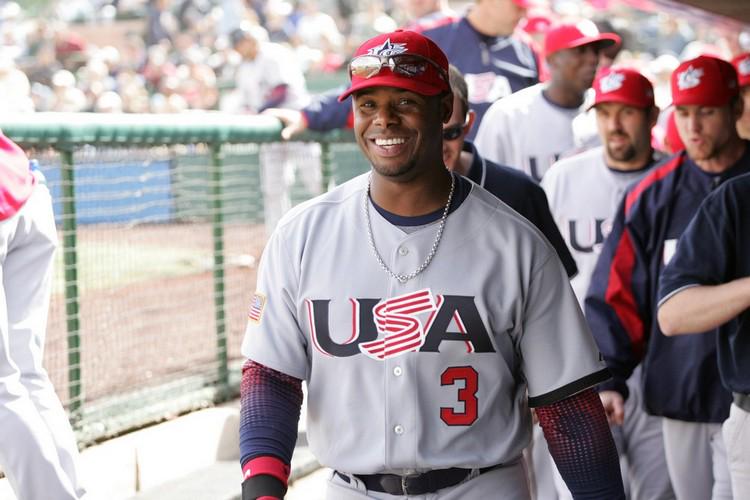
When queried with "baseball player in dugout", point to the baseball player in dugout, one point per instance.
{"points": [[680, 375], [706, 285], [421, 364], [514, 188], [482, 44], [38, 451], [742, 65], [509, 133], [584, 191]]}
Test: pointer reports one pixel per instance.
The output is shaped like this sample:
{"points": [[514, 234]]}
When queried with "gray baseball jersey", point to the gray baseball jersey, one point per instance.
{"points": [[526, 131], [583, 195], [420, 375]]}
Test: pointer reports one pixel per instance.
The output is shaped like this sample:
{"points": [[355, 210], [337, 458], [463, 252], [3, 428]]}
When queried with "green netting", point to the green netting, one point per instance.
{"points": [[159, 247]]}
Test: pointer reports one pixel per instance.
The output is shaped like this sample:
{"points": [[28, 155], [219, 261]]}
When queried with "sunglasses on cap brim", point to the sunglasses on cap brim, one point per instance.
{"points": [[411, 65]]}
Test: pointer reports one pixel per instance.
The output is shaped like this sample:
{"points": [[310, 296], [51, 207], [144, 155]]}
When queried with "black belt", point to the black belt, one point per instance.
{"points": [[742, 400], [415, 484]]}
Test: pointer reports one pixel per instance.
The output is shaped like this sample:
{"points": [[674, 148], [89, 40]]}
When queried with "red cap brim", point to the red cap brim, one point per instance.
{"points": [[388, 79], [605, 39]]}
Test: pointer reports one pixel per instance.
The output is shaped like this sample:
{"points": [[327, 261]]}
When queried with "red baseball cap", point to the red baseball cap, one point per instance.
{"points": [[569, 35], [742, 64], [428, 77], [538, 23], [623, 85], [704, 81]]}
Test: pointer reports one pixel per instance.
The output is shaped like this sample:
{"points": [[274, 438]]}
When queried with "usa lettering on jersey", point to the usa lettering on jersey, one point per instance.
{"points": [[536, 168], [385, 329], [588, 235]]}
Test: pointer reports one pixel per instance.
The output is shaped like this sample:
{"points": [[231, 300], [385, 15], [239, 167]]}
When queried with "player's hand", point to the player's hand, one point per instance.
{"points": [[614, 406], [292, 120]]}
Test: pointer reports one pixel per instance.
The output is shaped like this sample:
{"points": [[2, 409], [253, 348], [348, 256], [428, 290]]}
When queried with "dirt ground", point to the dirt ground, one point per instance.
{"points": [[160, 326]]}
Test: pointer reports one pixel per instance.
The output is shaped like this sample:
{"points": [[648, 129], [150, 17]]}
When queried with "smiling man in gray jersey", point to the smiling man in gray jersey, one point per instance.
{"points": [[421, 363]]}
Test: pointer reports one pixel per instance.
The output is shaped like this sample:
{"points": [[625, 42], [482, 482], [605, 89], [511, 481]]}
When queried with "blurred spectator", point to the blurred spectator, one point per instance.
{"points": [[674, 35], [423, 15], [67, 97], [318, 31], [198, 85], [268, 75], [160, 23], [157, 66], [369, 23], [70, 49], [14, 87], [109, 102]]}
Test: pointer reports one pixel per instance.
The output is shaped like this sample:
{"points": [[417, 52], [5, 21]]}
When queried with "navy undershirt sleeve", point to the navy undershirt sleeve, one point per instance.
{"points": [[581, 444], [326, 113], [269, 414]]}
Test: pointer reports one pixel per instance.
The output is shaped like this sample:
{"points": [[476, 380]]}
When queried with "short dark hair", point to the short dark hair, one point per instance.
{"points": [[250, 32], [459, 87]]}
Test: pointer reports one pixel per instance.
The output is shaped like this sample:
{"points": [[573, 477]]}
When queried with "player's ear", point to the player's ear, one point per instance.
{"points": [[446, 106], [653, 116], [471, 117], [738, 107], [552, 60]]}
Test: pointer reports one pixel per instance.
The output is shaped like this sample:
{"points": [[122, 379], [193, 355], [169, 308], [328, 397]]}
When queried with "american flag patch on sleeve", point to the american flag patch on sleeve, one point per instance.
{"points": [[257, 303]]}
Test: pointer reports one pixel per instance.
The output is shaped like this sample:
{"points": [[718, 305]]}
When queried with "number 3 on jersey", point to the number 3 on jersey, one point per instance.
{"points": [[466, 395]]}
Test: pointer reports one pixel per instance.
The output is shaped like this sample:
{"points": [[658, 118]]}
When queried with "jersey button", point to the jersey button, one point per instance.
{"points": [[398, 371], [402, 251], [399, 429]]}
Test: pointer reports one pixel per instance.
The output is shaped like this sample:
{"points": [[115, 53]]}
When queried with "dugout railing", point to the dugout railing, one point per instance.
{"points": [[161, 222]]}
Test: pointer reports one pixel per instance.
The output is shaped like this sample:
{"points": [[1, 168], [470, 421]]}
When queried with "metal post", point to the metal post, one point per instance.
{"points": [[70, 260], [217, 165], [326, 165]]}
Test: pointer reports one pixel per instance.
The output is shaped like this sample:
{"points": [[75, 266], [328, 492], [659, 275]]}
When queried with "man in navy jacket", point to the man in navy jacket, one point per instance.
{"points": [[680, 375]]}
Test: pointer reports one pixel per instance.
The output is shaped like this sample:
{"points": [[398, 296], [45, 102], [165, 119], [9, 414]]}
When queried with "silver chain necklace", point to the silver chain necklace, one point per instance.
{"points": [[403, 278]]}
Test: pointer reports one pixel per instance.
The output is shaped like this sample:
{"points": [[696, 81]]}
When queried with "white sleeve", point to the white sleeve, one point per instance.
{"points": [[549, 184], [493, 139], [553, 185], [560, 357], [273, 336]]}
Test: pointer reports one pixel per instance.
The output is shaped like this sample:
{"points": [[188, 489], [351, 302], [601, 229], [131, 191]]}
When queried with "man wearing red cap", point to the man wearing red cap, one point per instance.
{"points": [[420, 363], [583, 192], [680, 376], [38, 454], [742, 65], [530, 129]]}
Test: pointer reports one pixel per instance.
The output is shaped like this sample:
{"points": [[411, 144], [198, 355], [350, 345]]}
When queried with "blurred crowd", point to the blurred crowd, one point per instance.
{"points": [[177, 55]]}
